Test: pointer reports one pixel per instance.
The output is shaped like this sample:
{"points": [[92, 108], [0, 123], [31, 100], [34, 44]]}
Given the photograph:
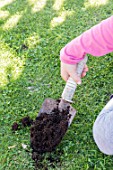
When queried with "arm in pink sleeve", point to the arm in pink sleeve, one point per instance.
{"points": [[97, 41]]}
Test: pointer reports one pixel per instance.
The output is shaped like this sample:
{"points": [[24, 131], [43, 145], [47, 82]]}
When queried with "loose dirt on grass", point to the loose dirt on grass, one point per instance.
{"points": [[46, 131], [24, 122]]}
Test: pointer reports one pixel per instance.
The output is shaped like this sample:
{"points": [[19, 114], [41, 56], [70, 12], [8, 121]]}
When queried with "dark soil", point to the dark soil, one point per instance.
{"points": [[24, 122], [46, 133], [48, 130], [24, 47], [15, 126]]}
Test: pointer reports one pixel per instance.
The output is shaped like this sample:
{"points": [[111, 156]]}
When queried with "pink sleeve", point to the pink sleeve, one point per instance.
{"points": [[96, 41]]}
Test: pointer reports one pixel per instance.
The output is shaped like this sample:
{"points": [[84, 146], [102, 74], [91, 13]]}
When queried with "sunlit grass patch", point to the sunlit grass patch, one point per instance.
{"points": [[37, 5], [11, 66], [12, 21], [5, 2], [4, 14], [58, 4], [32, 40], [56, 21], [94, 3]]}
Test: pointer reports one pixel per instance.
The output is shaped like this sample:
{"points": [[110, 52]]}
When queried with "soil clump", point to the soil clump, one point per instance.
{"points": [[24, 122], [48, 130]]}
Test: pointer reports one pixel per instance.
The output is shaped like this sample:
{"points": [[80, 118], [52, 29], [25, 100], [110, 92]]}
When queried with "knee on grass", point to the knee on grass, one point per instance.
{"points": [[103, 133]]}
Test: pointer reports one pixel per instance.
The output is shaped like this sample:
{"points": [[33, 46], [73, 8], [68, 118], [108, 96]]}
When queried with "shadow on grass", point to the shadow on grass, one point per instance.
{"points": [[35, 41]]}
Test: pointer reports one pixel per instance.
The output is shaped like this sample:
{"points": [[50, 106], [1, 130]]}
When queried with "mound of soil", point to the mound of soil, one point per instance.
{"points": [[48, 130]]}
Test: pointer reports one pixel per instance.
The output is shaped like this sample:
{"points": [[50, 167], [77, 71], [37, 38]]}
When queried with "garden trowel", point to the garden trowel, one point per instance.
{"points": [[66, 98]]}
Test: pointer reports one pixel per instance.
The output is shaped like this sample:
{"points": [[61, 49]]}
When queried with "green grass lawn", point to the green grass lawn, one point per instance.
{"points": [[32, 33]]}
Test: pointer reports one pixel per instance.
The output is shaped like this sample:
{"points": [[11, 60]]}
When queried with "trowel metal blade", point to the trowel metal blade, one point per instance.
{"points": [[50, 104], [72, 112]]}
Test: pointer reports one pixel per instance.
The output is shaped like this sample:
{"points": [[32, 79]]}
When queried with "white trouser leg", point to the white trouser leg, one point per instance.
{"points": [[103, 129]]}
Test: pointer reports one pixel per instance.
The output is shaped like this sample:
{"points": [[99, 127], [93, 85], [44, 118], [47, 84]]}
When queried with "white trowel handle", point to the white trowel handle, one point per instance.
{"points": [[71, 85]]}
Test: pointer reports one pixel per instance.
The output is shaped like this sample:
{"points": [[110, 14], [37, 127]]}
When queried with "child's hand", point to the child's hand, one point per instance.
{"points": [[68, 70]]}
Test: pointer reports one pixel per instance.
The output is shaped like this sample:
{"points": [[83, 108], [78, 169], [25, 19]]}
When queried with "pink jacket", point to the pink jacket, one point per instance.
{"points": [[96, 41]]}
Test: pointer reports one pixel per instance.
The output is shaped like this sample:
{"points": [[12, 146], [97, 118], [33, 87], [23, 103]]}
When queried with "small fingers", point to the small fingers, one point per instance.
{"points": [[68, 70], [76, 78], [64, 76], [85, 70], [83, 74]]}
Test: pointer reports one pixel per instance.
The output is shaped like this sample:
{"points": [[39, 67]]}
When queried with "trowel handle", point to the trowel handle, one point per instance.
{"points": [[71, 85]]}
